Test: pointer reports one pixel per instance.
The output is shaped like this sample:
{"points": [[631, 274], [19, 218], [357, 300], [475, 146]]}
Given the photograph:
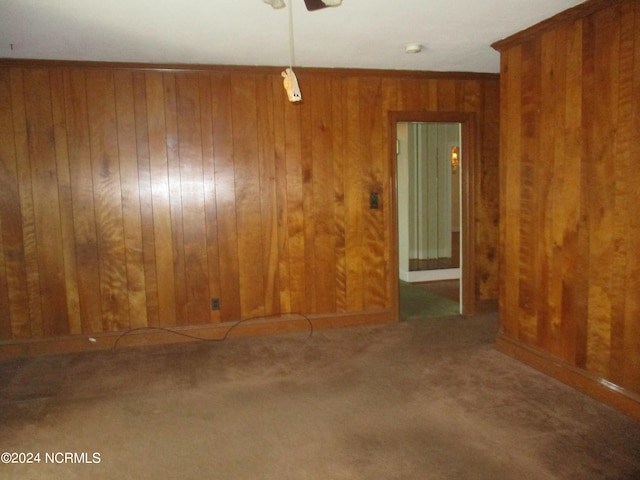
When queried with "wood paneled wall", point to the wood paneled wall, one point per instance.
{"points": [[570, 229], [130, 196]]}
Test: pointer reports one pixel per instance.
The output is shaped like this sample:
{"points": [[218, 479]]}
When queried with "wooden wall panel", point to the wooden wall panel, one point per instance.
{"points": [[16, 321], [569, 246], [132, 197]]}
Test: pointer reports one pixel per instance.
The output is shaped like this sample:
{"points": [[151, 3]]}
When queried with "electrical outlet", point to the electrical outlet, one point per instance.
{"points": [[374, 201], [215, 304]]}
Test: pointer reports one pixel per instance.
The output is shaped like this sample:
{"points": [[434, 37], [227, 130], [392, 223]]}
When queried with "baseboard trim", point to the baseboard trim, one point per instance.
{"points": [[286, 323], [487, 306], [596, 387]]}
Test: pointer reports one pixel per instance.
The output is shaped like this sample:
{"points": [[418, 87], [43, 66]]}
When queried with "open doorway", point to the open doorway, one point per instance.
{"points": [[429, 226], [432, 169]]}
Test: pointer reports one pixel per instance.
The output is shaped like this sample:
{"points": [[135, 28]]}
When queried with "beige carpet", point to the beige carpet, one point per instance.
{"points": [[411, 400]]}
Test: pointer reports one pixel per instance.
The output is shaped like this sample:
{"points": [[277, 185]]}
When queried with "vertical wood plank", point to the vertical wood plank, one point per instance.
{"points": [[530, 221], [131, 208], [16, 313], [354, 197], [108, 199], [268, 201], [600, 190], [631, 367], [175, 196], [322, 155], [225, 197], [145, 191], [193, 200], [84, 223], [280, 128], [160, 195], [567, 215], [622, 190], [295, 204], [209, 179], [44, 184], [547, 301], [373, 148], [487, 205], [308, 205], [5, 314], [338, 119], [510, 140], [66, 200], [247, 180]]}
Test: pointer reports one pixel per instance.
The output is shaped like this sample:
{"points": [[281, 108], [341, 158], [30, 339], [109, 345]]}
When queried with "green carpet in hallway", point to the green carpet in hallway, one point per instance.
{"points": [[416, 303]]}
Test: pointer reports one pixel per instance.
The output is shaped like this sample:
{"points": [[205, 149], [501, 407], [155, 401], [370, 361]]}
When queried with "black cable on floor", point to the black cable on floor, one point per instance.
{"points": [[204, 339]]}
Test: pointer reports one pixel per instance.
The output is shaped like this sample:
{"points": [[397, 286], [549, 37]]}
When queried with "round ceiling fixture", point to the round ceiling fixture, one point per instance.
{"points": [[412, 48]]}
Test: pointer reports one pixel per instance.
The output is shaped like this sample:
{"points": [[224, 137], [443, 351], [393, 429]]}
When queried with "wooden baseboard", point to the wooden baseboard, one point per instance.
{"points": [[287, 323], [598, 388], [487, 306]]}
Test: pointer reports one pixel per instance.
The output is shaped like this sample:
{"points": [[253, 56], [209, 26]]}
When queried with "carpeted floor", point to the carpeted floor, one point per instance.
{"points": [[417, 302], [411, 400]]}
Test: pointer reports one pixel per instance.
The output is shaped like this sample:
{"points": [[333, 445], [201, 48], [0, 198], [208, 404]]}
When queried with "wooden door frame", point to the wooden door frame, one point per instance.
{"points": [[469, 147]]}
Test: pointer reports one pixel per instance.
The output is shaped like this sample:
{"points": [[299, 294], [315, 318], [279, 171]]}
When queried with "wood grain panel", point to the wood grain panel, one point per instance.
{"points": [[168, 188], [570, 229], [66, 201], [340, 159], [373, 148], [600, 142], [48, 234], [280, 171], [225, 198], [131, 208], [622, 149], [209, 185], [510, 133], [548, 295], [631, 373], [322, 163], [145, 191], [160, 195], [355, 197], [86, 245], [248, 211], [268, 194], [105, 168], [34, 327], [5, 314], [487, 200], [308, 206], [16, 321], [175, 197], [295, 204], [576, 219], [190, 142]]}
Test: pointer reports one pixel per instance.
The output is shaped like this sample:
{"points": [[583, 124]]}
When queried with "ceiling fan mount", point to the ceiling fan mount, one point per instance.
{"points": [[311, 5], [319, 4]]}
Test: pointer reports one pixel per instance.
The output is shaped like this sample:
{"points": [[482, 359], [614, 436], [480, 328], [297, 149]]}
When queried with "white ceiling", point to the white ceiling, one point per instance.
{"points": [[456, 34]]}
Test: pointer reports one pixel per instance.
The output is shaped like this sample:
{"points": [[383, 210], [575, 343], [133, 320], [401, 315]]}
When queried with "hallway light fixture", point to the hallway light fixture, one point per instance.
{"points": [[455, 159]]}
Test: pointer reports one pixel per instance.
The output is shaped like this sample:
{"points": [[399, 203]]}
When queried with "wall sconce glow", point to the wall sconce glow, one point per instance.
{"points": [[455, 159]]}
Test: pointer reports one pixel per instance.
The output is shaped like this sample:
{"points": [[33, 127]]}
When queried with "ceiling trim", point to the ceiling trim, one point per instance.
{"points": [[420, 74]]}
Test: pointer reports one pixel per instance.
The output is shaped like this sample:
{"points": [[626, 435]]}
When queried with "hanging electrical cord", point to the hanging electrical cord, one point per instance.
{"points": [[290, 81]]}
